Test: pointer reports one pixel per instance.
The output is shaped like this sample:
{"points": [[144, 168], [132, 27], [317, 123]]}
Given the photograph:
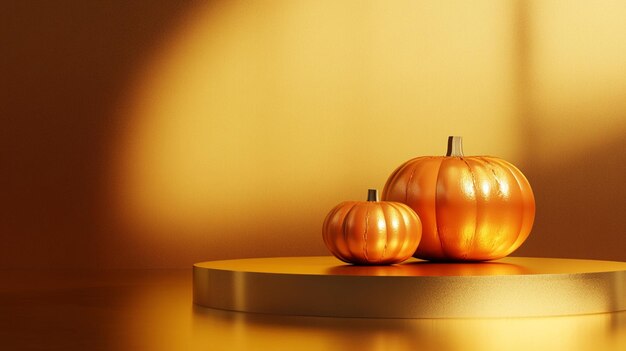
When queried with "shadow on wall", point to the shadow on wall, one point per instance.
{"points": [[572, 103], [581, 203], [64, 66]]}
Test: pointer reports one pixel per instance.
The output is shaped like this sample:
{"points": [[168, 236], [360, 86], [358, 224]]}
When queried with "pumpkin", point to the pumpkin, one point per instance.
{"points": [[372, 232], [472, 208]]}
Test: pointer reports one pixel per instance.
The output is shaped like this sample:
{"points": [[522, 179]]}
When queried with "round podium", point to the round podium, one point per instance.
{"points": [[325, 286]]}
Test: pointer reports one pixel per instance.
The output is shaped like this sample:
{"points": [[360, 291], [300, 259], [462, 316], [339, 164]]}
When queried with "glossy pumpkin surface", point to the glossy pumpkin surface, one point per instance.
{"points": [[372, 232], [472, 208]]}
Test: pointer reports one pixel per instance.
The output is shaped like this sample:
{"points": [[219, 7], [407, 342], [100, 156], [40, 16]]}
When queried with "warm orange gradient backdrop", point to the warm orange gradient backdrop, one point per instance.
{"points": [[157, 135]]}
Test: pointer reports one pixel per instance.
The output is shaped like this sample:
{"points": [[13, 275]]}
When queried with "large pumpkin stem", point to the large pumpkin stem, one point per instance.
{"points": [[372, 195], [455, 146]]}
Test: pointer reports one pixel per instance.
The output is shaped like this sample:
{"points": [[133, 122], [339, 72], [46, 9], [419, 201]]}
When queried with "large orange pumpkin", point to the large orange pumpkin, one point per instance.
{"points": [[472, 208], [372, 232]]}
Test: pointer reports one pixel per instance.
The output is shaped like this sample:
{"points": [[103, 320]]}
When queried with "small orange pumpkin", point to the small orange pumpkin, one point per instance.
{"points": [[372, 232], [472, 208]]}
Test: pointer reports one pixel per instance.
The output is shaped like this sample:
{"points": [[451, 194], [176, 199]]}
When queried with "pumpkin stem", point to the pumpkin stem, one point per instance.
{"points": [[455, 146], [372, 195]]}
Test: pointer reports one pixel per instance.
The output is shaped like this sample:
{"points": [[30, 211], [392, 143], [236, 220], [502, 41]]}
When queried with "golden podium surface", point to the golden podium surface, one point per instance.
{"points": [[325, 286]]}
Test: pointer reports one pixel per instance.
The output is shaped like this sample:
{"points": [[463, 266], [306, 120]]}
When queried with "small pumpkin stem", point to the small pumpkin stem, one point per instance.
{"points": [[372, 195], [455, 146]]}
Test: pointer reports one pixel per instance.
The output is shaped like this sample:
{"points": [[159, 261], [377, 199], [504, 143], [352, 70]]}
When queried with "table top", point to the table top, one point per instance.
{"points": [[153, 310], [329, 265]]}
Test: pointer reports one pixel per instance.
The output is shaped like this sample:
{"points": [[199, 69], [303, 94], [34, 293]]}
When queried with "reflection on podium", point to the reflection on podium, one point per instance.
{"points": [[429, 269]]}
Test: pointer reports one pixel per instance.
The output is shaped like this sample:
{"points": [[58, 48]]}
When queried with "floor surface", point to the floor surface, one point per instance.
{"points": [[153, 310]]}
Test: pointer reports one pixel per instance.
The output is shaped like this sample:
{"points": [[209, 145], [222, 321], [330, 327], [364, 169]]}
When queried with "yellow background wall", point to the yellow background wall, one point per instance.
{"points": [[158, 135]]}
